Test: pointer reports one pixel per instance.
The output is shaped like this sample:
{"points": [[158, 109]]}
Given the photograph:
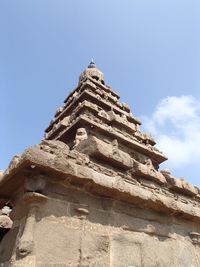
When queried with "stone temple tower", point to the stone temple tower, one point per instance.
{"points": [[91, 193]]}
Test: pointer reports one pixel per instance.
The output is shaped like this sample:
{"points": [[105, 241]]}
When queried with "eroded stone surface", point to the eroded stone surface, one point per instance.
{"points": [[91, 193]]}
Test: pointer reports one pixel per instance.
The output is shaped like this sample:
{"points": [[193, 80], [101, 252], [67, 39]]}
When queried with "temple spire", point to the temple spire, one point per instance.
{"points": [[92, 72]]}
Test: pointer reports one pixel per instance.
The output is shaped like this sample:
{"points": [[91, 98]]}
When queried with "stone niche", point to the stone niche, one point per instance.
{"points": [[76, 228]]}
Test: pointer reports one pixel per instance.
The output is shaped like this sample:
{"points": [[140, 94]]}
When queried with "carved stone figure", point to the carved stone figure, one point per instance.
{"points": [[81, 135]]}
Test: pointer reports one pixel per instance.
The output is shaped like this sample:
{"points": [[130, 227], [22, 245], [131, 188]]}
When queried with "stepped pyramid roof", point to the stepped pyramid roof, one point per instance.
{"points": [[97, 108]]}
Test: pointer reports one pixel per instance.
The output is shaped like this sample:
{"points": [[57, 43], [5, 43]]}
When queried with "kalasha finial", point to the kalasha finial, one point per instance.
{"points": [[92, 64]]}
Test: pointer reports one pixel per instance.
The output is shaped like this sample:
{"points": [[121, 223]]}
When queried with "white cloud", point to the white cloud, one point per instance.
{"points": [[175, 124]]}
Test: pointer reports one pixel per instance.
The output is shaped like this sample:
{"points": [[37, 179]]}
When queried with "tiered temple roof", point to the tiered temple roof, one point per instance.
{"points": [[96, 107], [95, 177], [94, 122], [94, 134]]}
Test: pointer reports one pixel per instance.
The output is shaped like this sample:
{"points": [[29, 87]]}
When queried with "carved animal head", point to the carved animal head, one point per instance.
{"points": [[81, 132]]}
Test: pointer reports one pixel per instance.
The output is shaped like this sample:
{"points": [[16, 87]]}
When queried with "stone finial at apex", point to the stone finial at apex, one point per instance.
{"points": [[92, 72], [92, 64]]}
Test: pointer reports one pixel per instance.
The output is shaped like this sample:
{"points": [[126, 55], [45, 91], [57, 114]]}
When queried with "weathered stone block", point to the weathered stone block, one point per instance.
{"points": [[99, 149]]}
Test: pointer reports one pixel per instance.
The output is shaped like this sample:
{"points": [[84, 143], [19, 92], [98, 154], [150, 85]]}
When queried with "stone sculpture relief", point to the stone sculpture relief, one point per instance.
{"points": [[81, 135]]}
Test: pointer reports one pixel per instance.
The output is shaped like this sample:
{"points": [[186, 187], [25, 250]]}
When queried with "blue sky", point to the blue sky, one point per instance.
{"points": [[148, 50]]}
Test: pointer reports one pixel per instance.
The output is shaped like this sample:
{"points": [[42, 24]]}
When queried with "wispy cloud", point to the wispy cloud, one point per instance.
{"points": [[175, 124]]}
